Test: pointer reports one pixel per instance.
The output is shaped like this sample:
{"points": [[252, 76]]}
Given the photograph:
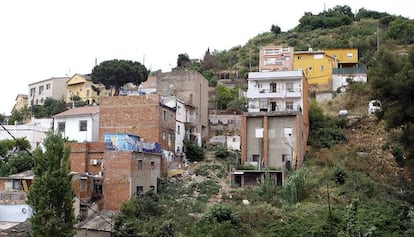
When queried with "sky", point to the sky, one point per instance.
{"points": [[48, 38]]}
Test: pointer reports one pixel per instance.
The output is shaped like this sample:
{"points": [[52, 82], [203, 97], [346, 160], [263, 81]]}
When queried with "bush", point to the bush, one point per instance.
{"points": [[339, 175], [193, 151]]}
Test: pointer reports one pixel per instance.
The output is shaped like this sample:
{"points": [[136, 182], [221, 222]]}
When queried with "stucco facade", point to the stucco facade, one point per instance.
{"points": [[78, 124], [276, 58], [192, 89], [54, 88]]}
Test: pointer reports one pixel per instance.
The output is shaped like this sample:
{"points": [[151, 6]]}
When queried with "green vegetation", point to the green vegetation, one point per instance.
{"points": [[116, 73], [51, 195], [14, 156]]}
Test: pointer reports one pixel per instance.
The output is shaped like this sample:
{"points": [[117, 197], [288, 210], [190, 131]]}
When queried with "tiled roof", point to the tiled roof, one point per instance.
{"points": [[79, 111]]}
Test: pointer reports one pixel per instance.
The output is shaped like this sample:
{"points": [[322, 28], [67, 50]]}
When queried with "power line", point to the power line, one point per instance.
{"points": [[14, 138]]}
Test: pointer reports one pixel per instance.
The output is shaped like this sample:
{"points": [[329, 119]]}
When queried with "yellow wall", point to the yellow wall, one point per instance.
{"points": [[317, 66], [80, 86], [342, 54]]}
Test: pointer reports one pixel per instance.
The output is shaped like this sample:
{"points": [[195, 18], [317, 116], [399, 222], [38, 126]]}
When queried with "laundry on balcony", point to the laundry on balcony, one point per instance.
{"points": [[214, 121], [224, 121]]}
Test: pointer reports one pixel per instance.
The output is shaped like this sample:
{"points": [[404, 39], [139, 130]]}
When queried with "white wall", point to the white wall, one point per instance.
{"points": [[34, 131], [15, 213], [72, 128]]}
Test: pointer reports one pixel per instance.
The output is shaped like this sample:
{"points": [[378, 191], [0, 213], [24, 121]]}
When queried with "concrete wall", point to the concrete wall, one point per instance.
{"points": [[190, 86]]}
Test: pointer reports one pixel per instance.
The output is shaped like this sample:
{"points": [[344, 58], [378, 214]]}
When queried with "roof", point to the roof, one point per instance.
{"points": [[102, 221], [50, 79], [23, 175], [79, 111], [273, 75]]}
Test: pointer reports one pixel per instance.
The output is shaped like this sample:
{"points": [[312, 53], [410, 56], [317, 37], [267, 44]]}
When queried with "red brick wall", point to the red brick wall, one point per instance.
{"points": [[116, 183], [138, 115], [2, 185], [82, 153]]}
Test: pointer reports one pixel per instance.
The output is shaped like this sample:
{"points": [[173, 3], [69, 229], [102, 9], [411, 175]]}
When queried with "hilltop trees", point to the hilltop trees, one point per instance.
{"points": [[392, 82], [14, 157], [115, 73], [51, 194]]}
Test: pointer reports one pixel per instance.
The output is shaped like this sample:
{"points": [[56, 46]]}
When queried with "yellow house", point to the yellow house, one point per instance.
{"points": [[347, 58], [82, 86], [316, 65]]}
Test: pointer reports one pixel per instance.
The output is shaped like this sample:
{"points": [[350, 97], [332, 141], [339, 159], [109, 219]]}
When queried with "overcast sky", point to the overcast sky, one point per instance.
{"points": [[42, 39]]}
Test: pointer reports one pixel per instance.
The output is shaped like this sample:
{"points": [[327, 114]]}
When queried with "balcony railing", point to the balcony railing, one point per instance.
{"points": [[191, 119], [268, 93]]}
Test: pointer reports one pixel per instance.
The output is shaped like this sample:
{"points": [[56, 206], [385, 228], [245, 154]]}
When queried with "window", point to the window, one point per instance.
{"points": [[178, 129], [263, 104], [349, 55], [285, 157], [171, 117], [97, 186], [310, 68], [139, 164], [273, 87], [274, 106], [299, 57], [164, 115], [271, 51], [140, 190], [255, 158], [40, 90], [83, 185], [289, 105], [61, 127], [289, 86], [287, 58], [83, 125], [152, 165], [32, 92], [152, 187], [322, 68], [318, 56], [163, 135], [269, 61], [87, 93], [48, 86], [17, 185]]}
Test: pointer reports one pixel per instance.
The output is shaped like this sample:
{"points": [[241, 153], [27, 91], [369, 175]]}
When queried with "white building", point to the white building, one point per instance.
{"points": [[275, 91], [34, 131], [54, 88], [79, 124]]}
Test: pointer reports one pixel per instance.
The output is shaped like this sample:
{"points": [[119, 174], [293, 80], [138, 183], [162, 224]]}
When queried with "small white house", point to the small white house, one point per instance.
{"points": [[34, 131], [80, 123]]}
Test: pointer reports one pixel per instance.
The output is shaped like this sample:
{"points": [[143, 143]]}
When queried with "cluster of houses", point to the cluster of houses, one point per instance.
{"points": [[124, 145]]}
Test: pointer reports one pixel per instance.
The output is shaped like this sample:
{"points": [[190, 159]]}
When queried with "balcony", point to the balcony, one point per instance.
{"points": [[267, 93], [279, 110], [191, 120]]}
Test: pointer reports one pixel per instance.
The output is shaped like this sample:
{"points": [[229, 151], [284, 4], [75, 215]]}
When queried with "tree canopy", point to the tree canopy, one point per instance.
{"points": [[392, 82], [116, 73], [51, 195]]}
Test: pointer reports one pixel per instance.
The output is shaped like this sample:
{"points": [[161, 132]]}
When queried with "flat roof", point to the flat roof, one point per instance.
{"points": [[275, 75]]}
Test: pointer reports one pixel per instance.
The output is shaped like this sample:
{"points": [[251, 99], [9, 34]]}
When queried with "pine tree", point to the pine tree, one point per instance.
{"points": [[51, 195]]}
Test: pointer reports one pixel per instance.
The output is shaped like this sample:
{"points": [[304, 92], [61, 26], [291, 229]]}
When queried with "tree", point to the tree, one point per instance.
{"points": [[51, 195], [391, 81], [275, 29], [115, 73], [183, 61], [223, 96]]}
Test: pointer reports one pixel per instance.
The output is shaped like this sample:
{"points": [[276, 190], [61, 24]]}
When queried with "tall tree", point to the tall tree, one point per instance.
{"points": [[115, 73], [51, 195], [392, 82]]}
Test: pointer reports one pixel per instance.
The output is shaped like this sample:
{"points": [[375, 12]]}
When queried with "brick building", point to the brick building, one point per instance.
{"points": [[110, 178], [141, 115]]}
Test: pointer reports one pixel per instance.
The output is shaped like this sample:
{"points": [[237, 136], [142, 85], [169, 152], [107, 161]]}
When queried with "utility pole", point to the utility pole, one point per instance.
{"points": [[377, 33], [330, 213]]}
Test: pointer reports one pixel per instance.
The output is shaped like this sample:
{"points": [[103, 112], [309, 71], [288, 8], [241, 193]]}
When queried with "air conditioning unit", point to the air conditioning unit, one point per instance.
{"points": [[94, 162]]}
